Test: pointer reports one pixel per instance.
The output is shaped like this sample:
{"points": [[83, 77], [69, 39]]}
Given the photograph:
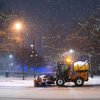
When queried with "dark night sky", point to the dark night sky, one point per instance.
{"points": [[38, 12]]}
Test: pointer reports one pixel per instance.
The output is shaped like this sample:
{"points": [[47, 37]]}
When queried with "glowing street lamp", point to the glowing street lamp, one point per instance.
{"points": [[71, 51], [18, 26], [10, 56]]}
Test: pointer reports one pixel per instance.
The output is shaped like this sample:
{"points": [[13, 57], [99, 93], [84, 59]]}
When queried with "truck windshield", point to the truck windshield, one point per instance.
{"points": [[62, 66]]}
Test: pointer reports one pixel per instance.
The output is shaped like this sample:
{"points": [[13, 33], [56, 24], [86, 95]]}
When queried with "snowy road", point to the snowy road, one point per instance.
{"points": [[24, 90], [91, 92]]}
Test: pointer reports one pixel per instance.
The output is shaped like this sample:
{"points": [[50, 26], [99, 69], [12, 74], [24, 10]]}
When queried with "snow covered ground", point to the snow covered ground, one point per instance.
{"points": [[10, 81], [94, 80], [16, 82]]}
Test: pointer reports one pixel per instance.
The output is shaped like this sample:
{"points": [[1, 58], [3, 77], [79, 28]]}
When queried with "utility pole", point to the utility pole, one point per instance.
{"points": [[23, 56], [90, 66]]}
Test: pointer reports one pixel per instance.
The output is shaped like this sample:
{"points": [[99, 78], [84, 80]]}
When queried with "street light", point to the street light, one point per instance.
{"points": [[10, 56], [18, 27], [32, 46], [71, 51], [33, 52]]}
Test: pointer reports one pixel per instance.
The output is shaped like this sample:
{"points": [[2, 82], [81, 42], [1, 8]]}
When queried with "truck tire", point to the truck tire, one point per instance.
{"points": [[79, 81], [60, 81]]}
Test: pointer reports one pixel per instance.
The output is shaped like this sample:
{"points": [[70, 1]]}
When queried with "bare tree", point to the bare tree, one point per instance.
{"points": [[52, 40], [86, 38], [7, 41]]}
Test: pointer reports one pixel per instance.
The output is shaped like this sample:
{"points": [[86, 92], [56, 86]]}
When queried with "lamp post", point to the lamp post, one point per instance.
{"points": [[18, 27], [32, 46], [11, 62]]}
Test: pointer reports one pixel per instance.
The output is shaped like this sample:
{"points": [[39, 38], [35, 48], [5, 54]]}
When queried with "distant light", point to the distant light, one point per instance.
{"points": [[71, 51], [11, 64], [10, 56], [31, 55], [32, 46], [36, 55]]}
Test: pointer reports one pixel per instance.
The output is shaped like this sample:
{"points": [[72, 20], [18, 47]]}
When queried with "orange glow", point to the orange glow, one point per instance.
{"points": [[68, 60], [18, 26]]}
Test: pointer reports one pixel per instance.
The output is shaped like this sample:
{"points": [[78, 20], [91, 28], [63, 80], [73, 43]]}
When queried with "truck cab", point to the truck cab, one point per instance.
{"points": [[63, 74]]}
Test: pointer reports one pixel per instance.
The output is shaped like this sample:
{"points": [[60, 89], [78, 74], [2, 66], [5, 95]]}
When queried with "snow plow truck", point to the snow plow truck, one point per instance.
{"points": [[78, 73]]}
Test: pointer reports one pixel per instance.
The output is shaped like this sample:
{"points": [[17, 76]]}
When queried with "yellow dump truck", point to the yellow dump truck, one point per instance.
{"points": [[66, 74]]}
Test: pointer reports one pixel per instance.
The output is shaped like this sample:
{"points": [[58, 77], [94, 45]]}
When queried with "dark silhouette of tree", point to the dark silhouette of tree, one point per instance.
{"points": [[30, 60], [33, 60]]}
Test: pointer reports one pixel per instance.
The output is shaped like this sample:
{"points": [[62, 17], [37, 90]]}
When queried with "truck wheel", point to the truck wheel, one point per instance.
{"points": [[60, 81], [79, 81]]}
